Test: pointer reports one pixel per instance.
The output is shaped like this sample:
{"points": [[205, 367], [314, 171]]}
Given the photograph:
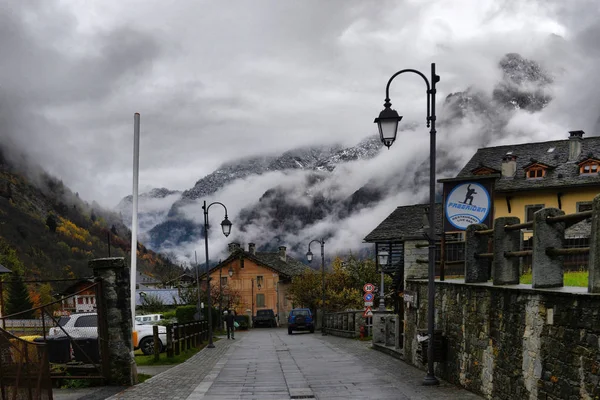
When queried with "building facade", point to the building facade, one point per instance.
{"points": [[524, 178], [261, 279]]}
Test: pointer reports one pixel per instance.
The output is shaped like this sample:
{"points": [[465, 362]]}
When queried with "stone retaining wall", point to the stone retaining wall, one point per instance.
{"points": [[513, 342]]}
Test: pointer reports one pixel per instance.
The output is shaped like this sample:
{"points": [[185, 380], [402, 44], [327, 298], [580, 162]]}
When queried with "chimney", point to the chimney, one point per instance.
{"points": [[575, 139], [233, 246], [282, 254], [252, 248], [509, 166]]}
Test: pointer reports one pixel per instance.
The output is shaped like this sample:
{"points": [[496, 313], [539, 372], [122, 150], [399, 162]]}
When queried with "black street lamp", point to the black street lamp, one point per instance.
{"points": [[309, 257], [226, 226], [388, 127], [252, 301]]}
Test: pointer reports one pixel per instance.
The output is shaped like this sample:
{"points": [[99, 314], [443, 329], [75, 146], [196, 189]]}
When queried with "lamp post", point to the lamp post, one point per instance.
{"points": [[220, 296], [309, 257], [226, 226], [388, 128], [252, 301], [383, 260]]}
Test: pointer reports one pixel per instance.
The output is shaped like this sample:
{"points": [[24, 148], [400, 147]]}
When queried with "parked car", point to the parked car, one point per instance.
{"points": [[85, 325], [300, 319], [148, 319], [265, 318]]}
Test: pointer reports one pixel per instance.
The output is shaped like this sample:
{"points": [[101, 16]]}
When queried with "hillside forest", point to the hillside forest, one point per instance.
{"points": [[48, 234]]}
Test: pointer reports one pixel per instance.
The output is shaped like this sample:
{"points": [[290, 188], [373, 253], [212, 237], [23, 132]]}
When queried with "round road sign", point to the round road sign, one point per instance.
{"points": [[368, 297], [368, 288]]}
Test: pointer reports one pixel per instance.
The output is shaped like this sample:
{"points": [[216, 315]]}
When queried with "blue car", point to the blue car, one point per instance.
{"points": [[300, 319]]}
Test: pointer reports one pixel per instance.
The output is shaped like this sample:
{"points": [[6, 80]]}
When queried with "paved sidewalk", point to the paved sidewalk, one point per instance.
{"points": [[179, 382], [267, 364]]}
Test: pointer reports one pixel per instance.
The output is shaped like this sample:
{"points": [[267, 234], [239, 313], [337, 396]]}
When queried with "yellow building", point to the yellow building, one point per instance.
{"points": [[521, 179], [261, 279]]}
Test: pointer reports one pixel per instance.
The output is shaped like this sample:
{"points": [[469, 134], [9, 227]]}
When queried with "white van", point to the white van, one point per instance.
{"points": [[148, 318]]}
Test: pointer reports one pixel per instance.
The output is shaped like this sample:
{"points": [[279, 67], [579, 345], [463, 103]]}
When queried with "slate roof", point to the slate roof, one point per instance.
{"points": [[405, 223], [4, 270], [289, 268], [168, 297], [561, 173]]}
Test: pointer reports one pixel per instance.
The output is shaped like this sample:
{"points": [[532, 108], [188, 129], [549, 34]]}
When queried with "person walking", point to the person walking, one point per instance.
{"points": [[229, 321]]}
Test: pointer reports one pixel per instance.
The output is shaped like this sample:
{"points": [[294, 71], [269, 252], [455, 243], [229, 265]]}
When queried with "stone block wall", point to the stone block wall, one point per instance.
{"points": [[513, 342], [412, 253]]}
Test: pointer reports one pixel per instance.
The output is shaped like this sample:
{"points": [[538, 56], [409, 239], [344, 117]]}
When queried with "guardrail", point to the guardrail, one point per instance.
{"points": [[548, 251]]}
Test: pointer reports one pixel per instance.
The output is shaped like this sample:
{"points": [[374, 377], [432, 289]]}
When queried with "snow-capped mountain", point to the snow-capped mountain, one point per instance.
{"points": [[153, 207], [329, 191]]}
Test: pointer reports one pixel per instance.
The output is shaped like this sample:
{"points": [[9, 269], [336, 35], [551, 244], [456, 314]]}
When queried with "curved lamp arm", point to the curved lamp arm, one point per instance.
{"points": [[226, 224], [387, 90]]}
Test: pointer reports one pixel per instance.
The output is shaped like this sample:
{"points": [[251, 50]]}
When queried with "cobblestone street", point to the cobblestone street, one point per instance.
{"points": [[270, 364]]}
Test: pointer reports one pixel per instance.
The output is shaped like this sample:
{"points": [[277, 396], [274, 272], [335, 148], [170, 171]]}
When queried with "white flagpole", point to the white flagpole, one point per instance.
{"points": [[134, 221]]}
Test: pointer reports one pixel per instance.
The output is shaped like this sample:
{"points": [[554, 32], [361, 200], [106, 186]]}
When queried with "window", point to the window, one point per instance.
{"points": [[87, 321], [79, 300], [584, 206], [536, 173], [260, 300], [589, 168], [223, 281], [260, 282], [530, 210]]}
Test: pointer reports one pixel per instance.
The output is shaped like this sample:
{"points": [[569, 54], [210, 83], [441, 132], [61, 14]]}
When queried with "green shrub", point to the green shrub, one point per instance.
{"points": [[243, 320], [185, 313]]}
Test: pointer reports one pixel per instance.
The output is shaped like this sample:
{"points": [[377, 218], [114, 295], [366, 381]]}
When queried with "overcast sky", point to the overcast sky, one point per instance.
{"points": [[217, 80]]}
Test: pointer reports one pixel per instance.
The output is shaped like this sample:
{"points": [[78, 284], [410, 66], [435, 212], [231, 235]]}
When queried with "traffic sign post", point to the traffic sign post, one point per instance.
{"points": [[368, 297], [368, 312], [368, 288]]}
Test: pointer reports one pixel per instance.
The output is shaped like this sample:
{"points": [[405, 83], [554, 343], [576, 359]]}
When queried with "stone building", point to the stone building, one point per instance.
{"points": [[402, 234]]}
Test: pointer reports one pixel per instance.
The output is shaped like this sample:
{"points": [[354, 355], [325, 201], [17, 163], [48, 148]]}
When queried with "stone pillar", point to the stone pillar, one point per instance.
{"points": [[476, 269], [379, 326], [505, 270], [594, 260], [547, 270], [115, 316]]}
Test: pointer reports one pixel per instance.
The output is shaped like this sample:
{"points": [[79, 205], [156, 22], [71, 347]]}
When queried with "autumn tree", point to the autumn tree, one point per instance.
{"points": [[361, 272], [305, 290]]}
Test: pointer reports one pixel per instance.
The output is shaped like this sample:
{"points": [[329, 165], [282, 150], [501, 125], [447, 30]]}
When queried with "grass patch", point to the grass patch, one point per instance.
{"points": [[143, 360], [578, 278], [143, 378]]}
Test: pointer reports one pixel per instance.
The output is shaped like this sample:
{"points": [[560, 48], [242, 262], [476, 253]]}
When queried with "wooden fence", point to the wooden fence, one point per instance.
{"points": [[181, 337]]}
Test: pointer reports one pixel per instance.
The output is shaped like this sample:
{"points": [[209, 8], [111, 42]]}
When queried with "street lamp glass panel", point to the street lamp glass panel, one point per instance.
{"points": [[388, 125], [230, 271], [309, 256], [226, 225], [383, 257]]}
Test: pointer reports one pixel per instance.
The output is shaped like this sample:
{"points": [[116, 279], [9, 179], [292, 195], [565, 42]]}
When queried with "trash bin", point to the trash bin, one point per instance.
{"points": [[59, 349], [86, 350], [439, 346]]}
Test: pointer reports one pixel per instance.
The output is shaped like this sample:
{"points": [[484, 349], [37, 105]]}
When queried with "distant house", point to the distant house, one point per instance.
{"points": [[261, 278], [79, 297], [402, 235], [184, 280], [144, 280]]}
